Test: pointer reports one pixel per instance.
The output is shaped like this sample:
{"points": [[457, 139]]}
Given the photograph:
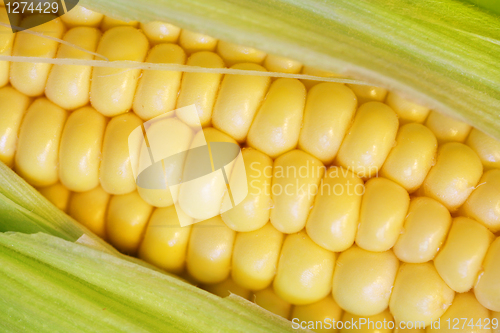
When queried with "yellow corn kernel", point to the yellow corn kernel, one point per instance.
{"points": [[276, 127], [279, 64], [80, 149], [195, 42], [207, 203], [13, 105], [89, 208], [305, 270], [161, 32], [424, 231], [381, 219], [465, 314], [324, 313], [80, 16], [413, 156], [126, 221], [413, 328], [362, 281], [209, 251], [268, 300], [200, 89], [407, 111], [110, 23], [6, 43], [486, 147], [157, 91], [328, 113], [69, 85], [37, 157], [165, 242], [27, 77], [234, 54], [459, 261], [487, 288], [255, 257], [112, 89], [253, 212], [116, 171], [455, 175], [296, 178], [333, 220], [57, 194], [368, 93], [419, 294], [238, 100], [369, 140], [166, 137], [372, 324], [307, 70], [483, 204], [226, 288], [446, 128]]}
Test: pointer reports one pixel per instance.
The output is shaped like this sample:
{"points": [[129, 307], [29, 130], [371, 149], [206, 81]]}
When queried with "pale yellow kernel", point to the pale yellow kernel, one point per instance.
{"points": [[424, 231], [200, 89], [487, 288], [80, 149], [209, 251], [161, 32], [455, 175], [30, 78], [276, 127], [296, 178], [368, 93], [369, 140], [362, 281], [13, 105], [234, 53], [407, 111], [157, 91], [383, 210], [195, 42], [459, 261], [238, 100], [255, 257], [115, 173], [268, 300], [446, 128], [69, 85], [202, 197], [305, 270], [313, 71], [483, 204], [37, 157], [279, 64], [333, 220], [329, 110], [226, 288], [110, 23], [6, 42], [165, 242], [126, 221], [413, 156], [371, 324], [80, 16], [89, 208], [323, 313], [112, 89], [253, 212], [466, 315], [486, 147], [419, 294], [404, 328], [57, 194]]}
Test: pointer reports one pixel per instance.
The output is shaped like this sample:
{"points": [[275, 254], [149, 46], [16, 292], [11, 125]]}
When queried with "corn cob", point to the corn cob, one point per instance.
{"points": [[263, 109]]}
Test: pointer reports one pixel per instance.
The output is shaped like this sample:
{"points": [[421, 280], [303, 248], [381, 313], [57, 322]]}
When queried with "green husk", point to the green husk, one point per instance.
{"points": [[443, 54]]}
